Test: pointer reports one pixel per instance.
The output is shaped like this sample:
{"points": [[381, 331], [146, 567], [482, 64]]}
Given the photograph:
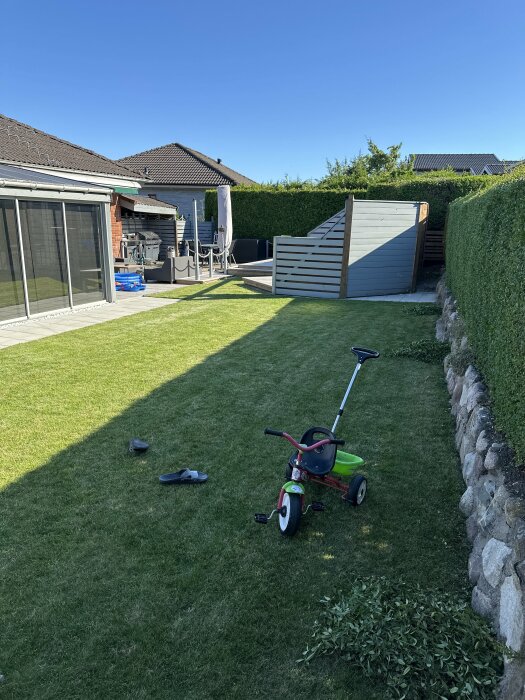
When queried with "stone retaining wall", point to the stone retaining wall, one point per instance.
{"points": [[493, 502]]}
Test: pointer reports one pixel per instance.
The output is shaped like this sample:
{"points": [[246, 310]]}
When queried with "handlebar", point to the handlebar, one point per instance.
{"points": [[298, 446]]}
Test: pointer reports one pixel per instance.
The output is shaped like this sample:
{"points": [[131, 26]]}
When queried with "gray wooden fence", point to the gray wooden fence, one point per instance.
{"points": [[371, 247], [310, 265]]}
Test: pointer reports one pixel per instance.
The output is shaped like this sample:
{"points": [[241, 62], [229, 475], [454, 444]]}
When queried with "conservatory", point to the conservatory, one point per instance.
{"points": [[55, 244]]}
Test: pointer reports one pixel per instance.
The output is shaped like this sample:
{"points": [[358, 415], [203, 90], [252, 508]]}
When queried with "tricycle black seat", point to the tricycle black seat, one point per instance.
{"points": [[321, 461]]}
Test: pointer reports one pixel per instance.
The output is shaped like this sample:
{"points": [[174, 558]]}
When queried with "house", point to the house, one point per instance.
{"points": [[55, 243], [178, 175], [504, 166], [468, 163], [60, 222], [24, 146]]}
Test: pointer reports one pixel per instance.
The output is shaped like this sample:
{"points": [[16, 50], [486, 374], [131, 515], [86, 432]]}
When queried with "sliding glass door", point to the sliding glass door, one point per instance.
{"points": [[84, 237], [59, 247], [11, 284], [44, 255]]}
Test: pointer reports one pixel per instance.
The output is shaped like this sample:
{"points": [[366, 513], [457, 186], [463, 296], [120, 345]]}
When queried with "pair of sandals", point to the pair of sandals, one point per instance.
{"points": [[183, 476]]}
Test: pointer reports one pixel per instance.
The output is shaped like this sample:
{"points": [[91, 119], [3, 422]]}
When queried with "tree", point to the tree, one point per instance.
{"points": [[374, 165]]}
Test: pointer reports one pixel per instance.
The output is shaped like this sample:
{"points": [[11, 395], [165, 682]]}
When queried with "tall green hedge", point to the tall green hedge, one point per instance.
{"points": [[438, 192], [260, 213], [486, 273]]}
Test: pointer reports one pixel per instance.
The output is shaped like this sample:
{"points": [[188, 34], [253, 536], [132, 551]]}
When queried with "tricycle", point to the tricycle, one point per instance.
{"points": [[317, 460]]}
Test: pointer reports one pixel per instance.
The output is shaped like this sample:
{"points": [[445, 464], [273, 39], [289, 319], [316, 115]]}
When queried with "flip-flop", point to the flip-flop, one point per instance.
{"points": [[136, 445], [184, 476]]}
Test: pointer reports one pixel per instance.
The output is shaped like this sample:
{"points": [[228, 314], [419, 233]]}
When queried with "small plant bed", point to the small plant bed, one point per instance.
{"points": [[420, 642], [116, 586]]}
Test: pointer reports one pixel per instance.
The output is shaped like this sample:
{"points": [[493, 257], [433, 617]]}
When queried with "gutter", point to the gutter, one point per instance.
{"points": [[27, 184]]}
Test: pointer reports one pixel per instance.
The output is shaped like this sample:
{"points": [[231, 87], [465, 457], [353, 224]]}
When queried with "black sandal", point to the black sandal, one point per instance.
{"points": [[184, 476]]}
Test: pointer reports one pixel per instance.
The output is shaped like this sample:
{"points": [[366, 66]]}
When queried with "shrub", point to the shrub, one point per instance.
{"points": [[485, 271], [437, 191], [418, 643], [426, 350], [422, 310], [267, 212]]}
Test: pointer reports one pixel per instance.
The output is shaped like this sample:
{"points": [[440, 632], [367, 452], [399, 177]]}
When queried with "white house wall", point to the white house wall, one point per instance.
{"points": [[181, 198]]}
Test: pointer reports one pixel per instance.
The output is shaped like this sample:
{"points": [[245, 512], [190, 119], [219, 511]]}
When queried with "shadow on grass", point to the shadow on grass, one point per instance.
{"points": [[115, 586]]}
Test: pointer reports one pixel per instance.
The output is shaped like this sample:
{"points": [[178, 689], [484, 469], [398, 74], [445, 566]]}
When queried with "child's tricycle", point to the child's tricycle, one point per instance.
{"points": [[318, 460]]}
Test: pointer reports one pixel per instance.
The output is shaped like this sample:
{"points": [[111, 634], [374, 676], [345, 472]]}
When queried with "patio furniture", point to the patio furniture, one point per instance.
{"points": [[171, 270], [246, 250]]}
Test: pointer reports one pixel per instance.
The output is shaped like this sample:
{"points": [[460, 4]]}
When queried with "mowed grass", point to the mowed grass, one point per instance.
{"points": [[113, 586]]}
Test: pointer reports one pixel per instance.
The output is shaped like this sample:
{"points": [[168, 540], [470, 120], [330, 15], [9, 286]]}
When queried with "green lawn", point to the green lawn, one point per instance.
{"points": [[113, 586]]}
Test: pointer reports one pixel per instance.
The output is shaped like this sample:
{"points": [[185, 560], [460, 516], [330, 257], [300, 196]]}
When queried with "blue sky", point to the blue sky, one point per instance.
{"points": [[272, 88]]}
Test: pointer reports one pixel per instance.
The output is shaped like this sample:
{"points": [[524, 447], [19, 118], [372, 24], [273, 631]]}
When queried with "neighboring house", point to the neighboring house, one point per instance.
{"points": [[504, 166], [468, 163], [178, 175], [24, 146]]}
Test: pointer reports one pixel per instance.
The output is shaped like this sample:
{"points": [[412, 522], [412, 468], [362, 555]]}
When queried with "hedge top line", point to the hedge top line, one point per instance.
{"points": [[260, 212]]}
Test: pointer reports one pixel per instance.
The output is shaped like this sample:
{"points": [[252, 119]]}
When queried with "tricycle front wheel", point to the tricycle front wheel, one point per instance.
{"points": [[357, 487], [290, 515]]}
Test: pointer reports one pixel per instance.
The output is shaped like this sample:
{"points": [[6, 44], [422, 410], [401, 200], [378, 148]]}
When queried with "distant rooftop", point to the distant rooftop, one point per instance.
{"points": [[462, 162], [175, 164], [504, 166]]}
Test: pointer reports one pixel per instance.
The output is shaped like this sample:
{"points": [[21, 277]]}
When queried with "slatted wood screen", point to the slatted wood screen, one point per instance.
{"points": [[165, 228], [309, 265], [434, 246], [371, 247]]}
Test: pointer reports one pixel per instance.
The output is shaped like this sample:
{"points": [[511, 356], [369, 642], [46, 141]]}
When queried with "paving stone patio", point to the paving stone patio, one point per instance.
{"points": [[37, 328]]}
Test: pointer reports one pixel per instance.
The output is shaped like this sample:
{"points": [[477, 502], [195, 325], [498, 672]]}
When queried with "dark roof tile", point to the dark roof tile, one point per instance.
{"points": [[23, 144], [458, 161], [175, 164]]}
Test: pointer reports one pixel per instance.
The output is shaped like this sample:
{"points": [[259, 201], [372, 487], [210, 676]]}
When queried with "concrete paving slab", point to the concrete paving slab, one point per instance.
{"points": [[44, 327]]}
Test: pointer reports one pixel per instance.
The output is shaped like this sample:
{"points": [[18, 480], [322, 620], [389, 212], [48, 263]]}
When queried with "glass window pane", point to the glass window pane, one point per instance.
{"points": [[44, 255], [11, 286], [84, 239]]}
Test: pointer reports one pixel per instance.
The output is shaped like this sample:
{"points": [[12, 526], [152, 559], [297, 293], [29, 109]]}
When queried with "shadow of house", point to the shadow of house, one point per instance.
{"points": [[115, 586]]}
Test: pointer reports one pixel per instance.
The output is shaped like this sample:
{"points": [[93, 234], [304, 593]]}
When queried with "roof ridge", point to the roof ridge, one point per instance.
{"points": [[69, 143], [453, 154], [204, 159], [218, 167], [149, 150]]}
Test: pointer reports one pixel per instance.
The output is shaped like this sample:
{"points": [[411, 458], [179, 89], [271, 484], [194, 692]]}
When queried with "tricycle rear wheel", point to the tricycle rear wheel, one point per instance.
{"points": [[357, 488]]}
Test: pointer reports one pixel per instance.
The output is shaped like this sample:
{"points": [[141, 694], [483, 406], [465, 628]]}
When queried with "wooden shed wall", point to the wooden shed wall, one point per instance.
{"points": [[379, 250], [383, 246]]}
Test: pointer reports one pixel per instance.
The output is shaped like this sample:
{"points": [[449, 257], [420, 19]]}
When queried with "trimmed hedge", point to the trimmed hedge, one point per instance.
{"points": [[437, 191], [260, 213], [486, 273]]}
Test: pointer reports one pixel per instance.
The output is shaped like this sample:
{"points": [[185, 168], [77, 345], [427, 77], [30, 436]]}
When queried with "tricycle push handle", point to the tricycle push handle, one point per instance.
{"points": [[271, 431], [363, 354]]}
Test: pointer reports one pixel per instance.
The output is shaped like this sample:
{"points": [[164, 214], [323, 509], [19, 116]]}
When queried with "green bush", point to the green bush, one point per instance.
{"points": [[485, 269], [265, 213], [437, 191], [417, 643], [426, 350], [426, 309]]}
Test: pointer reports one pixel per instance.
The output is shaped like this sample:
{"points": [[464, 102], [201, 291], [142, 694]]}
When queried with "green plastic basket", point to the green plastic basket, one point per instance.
{"points": [[346, 463]]}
